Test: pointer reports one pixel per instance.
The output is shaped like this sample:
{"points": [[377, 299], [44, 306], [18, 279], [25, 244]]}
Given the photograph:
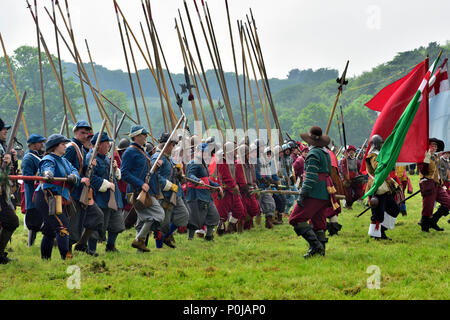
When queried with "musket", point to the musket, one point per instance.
{"points": [[86, 197], [35, 178], [112, 204], [143, 197], [40, 70], [367, 209], [342, 81], [13, 82], [198, 183]]}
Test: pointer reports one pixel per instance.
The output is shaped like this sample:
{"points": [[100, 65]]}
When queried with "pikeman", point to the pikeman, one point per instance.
{"points": [[432, 187], [8, 218], [30, 167], [384, 208], [135, 166], [52, 197], [246, 180], [266, 176], [201, 205], [102, 186], [84, 219], [352, 179], [231, 202], [277, 163], [315, 195], [444, 170], [169, 174], [128, 212], [288, 151], [76, 154]]}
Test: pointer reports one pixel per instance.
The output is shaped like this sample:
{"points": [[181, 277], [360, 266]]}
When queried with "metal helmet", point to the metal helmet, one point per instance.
{"points": [[267, 150], [376, 141], [292, 144], [149, 147], [123, 144], [285, 147]]}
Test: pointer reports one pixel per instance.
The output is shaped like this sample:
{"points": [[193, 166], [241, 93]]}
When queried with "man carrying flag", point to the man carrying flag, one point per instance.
{"points": [[391, 103]]}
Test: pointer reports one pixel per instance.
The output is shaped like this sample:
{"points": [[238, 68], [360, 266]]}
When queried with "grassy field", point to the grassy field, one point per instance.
{"points": [[258, 264]]}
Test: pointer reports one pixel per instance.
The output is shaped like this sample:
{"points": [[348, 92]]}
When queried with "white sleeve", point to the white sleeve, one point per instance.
{"points": [[118, 174], [168, 186], [105, 186]]}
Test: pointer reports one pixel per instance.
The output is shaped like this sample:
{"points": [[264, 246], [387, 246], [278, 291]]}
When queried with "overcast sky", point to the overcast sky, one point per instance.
{"points": [[293, 33]]}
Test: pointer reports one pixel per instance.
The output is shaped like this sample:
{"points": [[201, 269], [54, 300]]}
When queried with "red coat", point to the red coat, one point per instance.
{"points": [[225, 176]]}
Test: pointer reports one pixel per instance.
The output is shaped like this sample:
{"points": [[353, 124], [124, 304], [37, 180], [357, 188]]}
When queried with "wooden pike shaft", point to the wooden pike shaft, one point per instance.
{"points": [[128, 67], [249, 83], [256, 80], [138, 80], [203, 70], [243, 77], [13, 82], [332, 111], [44, 118], [235, 64], [101, 106], [187, 66]]}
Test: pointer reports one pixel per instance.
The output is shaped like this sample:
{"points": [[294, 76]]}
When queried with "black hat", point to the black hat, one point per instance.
{"points": [[2, 125], [440, 144], [103, 138], [315, 137], [165, 137], [54, 140]]}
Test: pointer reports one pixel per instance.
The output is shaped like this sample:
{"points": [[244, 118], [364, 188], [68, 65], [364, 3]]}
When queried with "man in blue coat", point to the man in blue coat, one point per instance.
{"points": [[103, 189], [202, 208], [134, 169], [30, 167], [176, 214]]}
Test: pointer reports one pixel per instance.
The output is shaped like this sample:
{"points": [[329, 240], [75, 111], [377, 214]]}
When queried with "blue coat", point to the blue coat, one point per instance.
{"points": [[166, 173], [60, 167], [101, 172], [30, 167], [72, 156], [196, 171], [134, 168], [265, 171]]}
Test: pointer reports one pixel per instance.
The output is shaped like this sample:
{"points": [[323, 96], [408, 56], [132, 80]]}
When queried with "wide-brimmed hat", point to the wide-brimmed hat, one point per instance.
{"points": [[440, 144], [3, 125], [315, 137]]}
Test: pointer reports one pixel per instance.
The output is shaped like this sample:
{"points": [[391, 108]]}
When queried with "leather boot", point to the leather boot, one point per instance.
{"points": [[31, 237], [232, 227], [168, 242], [269, 220], [425, 224], [81, 245], [315, 246], [322, 238], [240, 226], [258, 220], [441, 211], [221, 228], [276, 219], [140, 245], [383, 234], [5, 235]]}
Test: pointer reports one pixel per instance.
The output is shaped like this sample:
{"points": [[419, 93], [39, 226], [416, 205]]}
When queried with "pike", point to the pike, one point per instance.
{"points": [[360, 149], [52, 65], [342, 81], [203, 71], [189, 61], [13, 82], [339, 129], [86, 197], [138, 80], [345, 138], [40, 70], [127, 63], [243, 77], [235, 64], [63, 124], [112, 204], [15, 127], [219, 66], [367, 209], [143, 198]]}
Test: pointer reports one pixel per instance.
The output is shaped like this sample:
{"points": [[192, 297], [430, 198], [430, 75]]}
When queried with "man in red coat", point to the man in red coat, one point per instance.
{"points": [[246, 180], [231, 201], [353, 186]]}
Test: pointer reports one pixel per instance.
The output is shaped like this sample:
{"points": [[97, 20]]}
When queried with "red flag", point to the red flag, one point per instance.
{"points": [[391, 101]]}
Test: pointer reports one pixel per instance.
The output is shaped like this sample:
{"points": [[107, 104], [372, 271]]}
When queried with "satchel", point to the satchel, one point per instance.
{"points": [[426, 187], [142, 201]]}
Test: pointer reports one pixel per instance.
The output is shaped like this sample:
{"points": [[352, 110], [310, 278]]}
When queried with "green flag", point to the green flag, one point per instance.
{"points": [[391, 147]]}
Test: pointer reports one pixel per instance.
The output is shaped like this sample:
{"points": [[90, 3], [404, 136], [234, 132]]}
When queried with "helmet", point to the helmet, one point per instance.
{"points": [[267, 150], [292, 144], [123, 144], [149, 147], [285, 147], [376, 141]]}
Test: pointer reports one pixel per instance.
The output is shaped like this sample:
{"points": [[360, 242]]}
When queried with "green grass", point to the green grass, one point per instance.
{"points": [[258, 264]]}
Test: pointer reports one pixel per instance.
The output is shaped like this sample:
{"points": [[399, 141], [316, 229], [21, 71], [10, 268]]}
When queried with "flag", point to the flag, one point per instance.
{"points": [[391, 102], [439, 101], [393, 145]]}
